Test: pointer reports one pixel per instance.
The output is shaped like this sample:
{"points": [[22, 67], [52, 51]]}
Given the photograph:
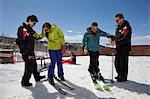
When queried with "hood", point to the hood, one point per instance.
{"points": [[53, 26]]}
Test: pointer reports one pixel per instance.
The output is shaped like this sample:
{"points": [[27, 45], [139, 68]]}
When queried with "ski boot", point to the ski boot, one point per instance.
{"points": [[51, 81], [26, 84], [39, 78], [101, 77], [62, 79]]}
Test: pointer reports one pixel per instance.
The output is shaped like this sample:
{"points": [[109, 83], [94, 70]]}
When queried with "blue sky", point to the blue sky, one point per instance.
{"points": [[74, 16]]}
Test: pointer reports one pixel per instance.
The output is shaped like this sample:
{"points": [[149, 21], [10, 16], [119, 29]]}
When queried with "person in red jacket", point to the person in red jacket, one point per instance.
{"points": [[25, 42], [72, 60], [123, 46]]}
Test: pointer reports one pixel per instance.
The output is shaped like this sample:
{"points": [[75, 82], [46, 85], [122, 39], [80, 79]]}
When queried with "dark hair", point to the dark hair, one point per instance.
{"points": [[94, 24], [119, 15], [48, 25], [33, 18]]}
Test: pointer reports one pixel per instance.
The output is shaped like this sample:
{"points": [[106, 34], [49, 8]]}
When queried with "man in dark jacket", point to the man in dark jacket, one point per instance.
{"points": [[25, 42], [123, 46]]}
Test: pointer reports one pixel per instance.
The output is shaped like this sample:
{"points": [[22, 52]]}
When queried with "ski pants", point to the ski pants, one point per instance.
{"points": [[55, 56], [30, 67], [121, 63], [94, 63]]}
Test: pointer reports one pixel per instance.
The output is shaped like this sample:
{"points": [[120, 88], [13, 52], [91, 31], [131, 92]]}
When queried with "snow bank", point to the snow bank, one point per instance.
{"points": [[137, 86]]}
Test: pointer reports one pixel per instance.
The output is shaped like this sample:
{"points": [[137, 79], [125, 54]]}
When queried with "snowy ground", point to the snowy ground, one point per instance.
{"points": [[137, 86]]}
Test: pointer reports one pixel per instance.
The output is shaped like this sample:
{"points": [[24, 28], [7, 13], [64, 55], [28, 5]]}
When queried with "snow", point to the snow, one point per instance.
{"points": [[137, 86]]}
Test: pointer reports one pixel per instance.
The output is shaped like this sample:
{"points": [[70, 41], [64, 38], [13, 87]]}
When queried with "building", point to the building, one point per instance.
{"points": [[9, 50]]}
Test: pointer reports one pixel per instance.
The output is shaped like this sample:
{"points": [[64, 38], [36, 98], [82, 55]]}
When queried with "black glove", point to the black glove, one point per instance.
{"points": [[25, 52]]}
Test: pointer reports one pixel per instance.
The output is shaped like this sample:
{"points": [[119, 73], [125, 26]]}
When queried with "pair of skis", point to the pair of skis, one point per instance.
{"points": [[103, 85], [60, 90], [64, 83], [100, 85]]}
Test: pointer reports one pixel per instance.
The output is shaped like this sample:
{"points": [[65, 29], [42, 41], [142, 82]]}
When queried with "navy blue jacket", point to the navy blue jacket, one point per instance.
{"points": [[123, 36]]}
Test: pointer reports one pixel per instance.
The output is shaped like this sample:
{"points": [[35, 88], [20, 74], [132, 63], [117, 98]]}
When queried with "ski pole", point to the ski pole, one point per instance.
{"points": [[112, 69]]}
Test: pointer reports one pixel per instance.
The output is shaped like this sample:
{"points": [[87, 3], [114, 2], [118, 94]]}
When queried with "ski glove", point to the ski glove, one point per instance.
{"points": [[85, 51]]}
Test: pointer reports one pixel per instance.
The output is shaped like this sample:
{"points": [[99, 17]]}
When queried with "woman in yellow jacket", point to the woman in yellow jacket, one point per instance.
{"points": [[55, 43]]}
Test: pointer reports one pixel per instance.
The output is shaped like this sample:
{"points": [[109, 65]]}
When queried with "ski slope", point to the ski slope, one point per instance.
{"points": [[77, 76]]}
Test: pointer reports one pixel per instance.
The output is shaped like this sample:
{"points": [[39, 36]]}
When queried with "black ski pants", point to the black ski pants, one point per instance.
{"points": [[30, 67], [121, 63], [94, 63]]}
